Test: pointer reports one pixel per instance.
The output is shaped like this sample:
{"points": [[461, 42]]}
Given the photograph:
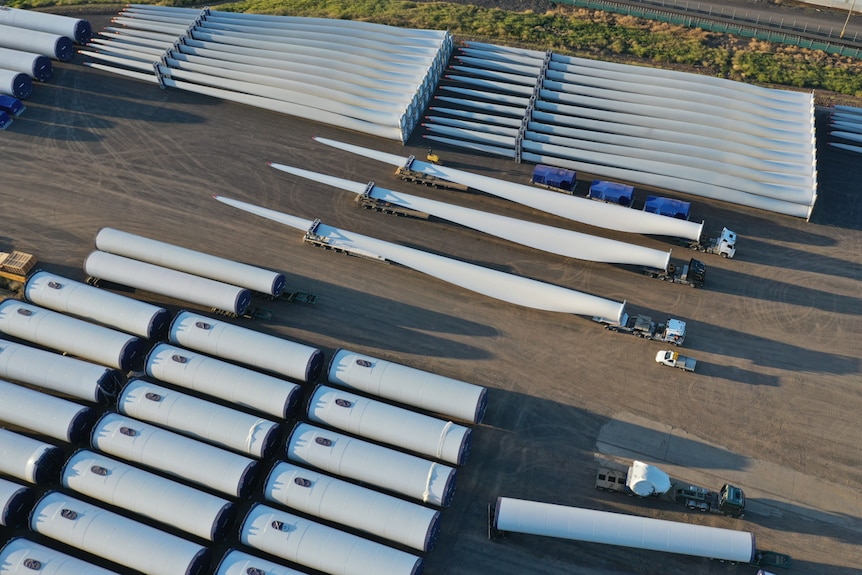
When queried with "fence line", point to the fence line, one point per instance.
{"points": [[678, 12]]}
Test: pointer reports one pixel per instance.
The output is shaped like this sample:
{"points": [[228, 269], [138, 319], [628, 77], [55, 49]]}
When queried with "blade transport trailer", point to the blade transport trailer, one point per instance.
{"points": [[648, 481], [673, 331], [507, 515], [564, 181], [409, 175], [724, 245], [692, 274], [367, 201]]}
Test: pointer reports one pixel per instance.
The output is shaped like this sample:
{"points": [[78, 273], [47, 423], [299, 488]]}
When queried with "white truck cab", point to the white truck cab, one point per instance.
{"points": [[725, 244]]}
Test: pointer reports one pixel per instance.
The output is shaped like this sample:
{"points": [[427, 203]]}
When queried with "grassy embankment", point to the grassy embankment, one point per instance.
{"points": [[579, 32]]}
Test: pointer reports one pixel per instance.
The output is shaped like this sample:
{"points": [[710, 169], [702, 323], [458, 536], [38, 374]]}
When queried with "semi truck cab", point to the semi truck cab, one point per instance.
{"points": [[725, 244]]}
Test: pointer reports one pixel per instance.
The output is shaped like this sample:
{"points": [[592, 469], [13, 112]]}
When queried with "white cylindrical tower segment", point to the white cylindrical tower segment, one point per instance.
{"points": [[28, 459], [204, 420], [168, 282], [236, 562], [101, 306], [171, 453], [421, 479], [337, 501], [61, 373], [16, 501], [75, 28], [36, 66], [24, 557], [321, 547], [407, 385], [385, 423], [15, 84], [246, 346], [203, 374], [116, 538], [51, 45], [147, 494], [44, 414], [71, 335], [521, 516], [189, 261]]}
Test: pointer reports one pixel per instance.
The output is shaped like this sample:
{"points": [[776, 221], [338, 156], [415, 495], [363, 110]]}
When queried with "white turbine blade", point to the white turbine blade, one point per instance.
{"points": [[539, 236], [492, 283], [578, 209], [282, 218]]}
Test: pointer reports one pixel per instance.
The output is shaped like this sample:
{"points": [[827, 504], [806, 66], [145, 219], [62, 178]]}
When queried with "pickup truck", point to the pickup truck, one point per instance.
{"points": [[674, 359]]}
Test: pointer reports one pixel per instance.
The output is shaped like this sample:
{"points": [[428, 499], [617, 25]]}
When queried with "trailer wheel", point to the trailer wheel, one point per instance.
{"points": [[692, 285]]}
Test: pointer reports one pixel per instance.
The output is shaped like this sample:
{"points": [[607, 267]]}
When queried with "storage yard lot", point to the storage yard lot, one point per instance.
{"points": [[774, 406]]}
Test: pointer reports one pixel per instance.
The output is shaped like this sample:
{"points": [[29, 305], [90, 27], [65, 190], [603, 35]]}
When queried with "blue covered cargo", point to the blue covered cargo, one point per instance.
{"points": [[555, 178], [10, 105], [5, 120], [668, 207], [611, 192]]}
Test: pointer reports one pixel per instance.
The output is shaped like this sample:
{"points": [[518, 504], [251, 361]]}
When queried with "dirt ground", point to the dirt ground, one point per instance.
{"points": [[773, 408]]}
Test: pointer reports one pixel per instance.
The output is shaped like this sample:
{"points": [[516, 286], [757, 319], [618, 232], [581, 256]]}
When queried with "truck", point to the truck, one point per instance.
{"points": [[674, 359], [764, 558], [723, 245], [643, 326], [692, 274], [648, 481], [409, 175]]}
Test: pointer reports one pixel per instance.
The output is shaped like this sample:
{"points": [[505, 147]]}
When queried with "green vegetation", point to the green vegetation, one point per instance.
{"points": [[49, 4], [580, 32]]}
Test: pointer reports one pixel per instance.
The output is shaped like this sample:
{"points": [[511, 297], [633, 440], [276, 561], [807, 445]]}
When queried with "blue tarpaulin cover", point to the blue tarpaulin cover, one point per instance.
{"points": [[612, 192], [11, 105], [667, 207], [554, 177], [5, 120]]}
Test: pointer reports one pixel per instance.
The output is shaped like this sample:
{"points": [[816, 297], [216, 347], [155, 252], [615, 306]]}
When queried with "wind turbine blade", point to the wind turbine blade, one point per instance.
{"points": [[559, 241], [492, 283]]}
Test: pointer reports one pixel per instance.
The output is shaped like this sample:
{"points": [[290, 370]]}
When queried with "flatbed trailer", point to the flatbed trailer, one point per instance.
{"points": [[692, 274], [406, 174], [771, 559], [369, 202], [648, 481], [312, 237], [643, 326]]}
